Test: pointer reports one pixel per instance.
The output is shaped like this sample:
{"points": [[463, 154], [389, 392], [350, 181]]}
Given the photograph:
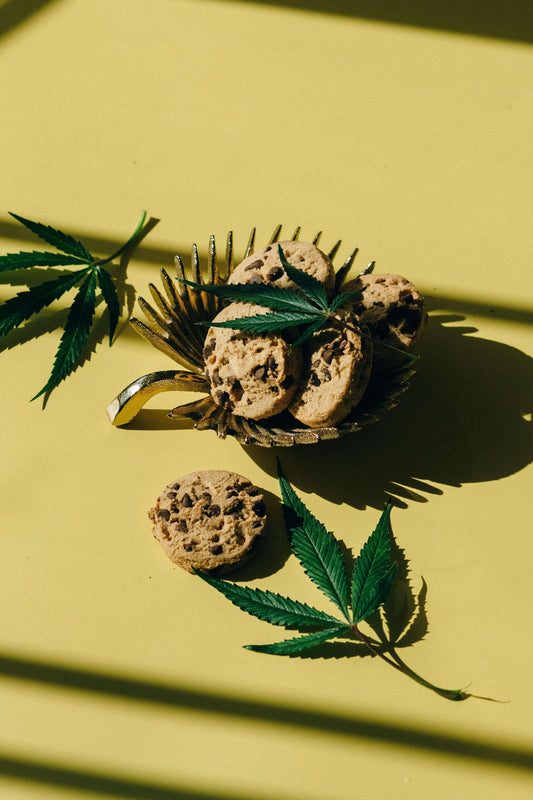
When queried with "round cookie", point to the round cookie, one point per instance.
{"points": [[395, 313], [264, 266], [209, 521], [254, 375], [337, 364]]}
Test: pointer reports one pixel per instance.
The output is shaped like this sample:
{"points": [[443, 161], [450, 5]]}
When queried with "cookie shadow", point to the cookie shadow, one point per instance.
{"points": [[273, 550], [465, 419]]}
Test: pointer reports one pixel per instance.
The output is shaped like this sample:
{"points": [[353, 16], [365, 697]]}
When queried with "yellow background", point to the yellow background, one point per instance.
{"points": [[122, 676]]}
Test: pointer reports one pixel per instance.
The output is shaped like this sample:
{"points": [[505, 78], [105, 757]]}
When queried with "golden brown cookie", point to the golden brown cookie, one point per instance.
{"points": [[264, 266], [395, 313], [337, 364], [210, 521], [254, 375]]}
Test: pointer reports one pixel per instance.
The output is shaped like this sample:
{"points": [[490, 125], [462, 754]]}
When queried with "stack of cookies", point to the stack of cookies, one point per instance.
{"points": [[258, 376]]}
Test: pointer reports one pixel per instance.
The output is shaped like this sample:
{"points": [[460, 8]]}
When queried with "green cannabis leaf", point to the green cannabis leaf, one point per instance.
{"points": [[358, 599], [307, 305], [90, 274]]}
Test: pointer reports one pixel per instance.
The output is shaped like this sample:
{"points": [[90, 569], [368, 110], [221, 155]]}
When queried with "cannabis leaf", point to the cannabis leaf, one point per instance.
{"points": [[90, 274], [317, 550], [271, 607], [320, 555], [307, 305], [373, 573], [298, 644]]}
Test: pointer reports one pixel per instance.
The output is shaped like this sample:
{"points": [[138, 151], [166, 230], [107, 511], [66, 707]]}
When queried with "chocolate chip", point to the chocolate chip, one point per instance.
{"points": [[209, 347], [412, 321], [250, 490], [316, 363], [254, 265], [222, 397], [314, 380], [275, 273], [174, 508], [213, 511], [176, 486], [327, 355], [256, 278], [274, 389], [381, 328], [259, 508], [267, 249], [181, 525], [287, 381], [206, 496], [259, 373], [235, 386], [216, 549], [326, 374], [234, 507], [186, 501], [163, 513], [272, 364], [216, 380]]}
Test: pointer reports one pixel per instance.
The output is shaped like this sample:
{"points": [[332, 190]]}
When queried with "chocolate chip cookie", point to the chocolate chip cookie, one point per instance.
{"points": [[254, 375], [337, 364], [210, 521], [265, 265], [395, 313]]}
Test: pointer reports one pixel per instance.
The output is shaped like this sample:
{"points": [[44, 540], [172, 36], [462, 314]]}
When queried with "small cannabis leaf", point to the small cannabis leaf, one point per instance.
{"points": [[89, 274], [357, 599], [307, 305]]}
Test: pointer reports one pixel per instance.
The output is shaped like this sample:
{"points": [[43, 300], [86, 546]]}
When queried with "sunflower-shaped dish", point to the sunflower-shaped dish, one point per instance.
{"points": [[172, 327]]}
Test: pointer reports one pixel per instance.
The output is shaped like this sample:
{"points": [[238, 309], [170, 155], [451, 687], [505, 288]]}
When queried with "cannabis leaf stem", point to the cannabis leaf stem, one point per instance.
{"points": [[80, 317]]}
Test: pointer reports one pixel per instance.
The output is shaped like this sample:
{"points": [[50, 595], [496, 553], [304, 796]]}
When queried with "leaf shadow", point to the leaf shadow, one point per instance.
{"points": [[465, 419], [273, 551]]}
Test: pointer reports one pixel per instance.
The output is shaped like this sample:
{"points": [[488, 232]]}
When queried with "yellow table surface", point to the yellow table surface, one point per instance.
{"points": [[123, 676]]}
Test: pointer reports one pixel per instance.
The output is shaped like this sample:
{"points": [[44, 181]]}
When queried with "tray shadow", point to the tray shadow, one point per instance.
{"points": [[466, 419]]}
